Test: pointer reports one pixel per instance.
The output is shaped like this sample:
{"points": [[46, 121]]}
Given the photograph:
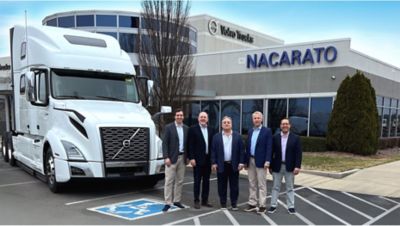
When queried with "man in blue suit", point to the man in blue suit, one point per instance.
{"points": [[258, 151], [199, 153], [227, 157], [286, 162]]}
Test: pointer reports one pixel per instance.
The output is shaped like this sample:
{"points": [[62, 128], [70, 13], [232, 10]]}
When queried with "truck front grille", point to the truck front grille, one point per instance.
{"points": [[125, 143]]}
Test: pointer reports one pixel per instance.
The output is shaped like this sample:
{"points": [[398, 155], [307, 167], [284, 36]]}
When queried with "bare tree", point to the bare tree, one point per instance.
{"points": [[165, 52]]}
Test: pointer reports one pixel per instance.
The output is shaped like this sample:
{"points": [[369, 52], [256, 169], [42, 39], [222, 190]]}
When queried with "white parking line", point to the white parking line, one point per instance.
{"points": [[268, 219], [390, 200], [365, 201], [382, 215], [341, 203], [323, 210], [230, 217], [193, 218], [303, 218], [122, 194], [20, 183], [196, 221]]}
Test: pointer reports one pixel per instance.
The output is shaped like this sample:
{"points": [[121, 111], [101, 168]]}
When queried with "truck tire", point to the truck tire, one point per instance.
{"points": [[50, 172], [10, 150], [4, 148]]}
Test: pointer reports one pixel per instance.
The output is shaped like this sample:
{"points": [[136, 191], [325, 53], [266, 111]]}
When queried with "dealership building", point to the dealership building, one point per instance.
{"points": [[239, 71]]}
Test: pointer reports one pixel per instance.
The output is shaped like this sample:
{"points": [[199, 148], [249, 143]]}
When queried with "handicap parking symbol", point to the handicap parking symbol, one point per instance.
{"points": [[133, 209]]}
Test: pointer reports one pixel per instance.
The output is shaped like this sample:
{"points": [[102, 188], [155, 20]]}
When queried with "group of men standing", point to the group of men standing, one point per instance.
{"points": [[225, 153]]}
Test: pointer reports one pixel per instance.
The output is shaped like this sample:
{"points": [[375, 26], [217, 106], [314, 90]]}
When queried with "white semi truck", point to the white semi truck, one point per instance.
{"points": [[75, 110]]}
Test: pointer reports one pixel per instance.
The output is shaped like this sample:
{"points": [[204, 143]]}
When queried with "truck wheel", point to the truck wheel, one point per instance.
{"points": [[10, 150], [50, 171], [4, 148]]}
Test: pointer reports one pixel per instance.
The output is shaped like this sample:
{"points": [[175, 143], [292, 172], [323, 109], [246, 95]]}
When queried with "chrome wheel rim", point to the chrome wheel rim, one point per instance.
{"points": [[50, 170], [3, 149], [9, 153]]}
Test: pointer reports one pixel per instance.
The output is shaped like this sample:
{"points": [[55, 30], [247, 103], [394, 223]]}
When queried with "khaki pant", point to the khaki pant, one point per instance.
{"points": [[174, 175], [257, 181]]}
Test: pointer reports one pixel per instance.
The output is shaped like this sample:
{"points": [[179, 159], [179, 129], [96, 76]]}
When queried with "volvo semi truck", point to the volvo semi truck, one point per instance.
{"points": [[75, 110]]}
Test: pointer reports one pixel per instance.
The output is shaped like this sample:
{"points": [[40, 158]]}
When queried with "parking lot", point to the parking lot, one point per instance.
{"points": [[27, 200]]}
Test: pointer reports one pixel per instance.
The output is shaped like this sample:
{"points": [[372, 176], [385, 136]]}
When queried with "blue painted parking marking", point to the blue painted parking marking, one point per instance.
{"points": [[133, 209]]}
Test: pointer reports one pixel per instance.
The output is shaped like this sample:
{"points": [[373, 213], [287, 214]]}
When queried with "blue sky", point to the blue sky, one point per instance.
{"points": [[374, 27]]}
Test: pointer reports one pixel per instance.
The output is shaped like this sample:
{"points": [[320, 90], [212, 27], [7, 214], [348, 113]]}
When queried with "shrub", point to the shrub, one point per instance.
{"points": [[313, 144]]}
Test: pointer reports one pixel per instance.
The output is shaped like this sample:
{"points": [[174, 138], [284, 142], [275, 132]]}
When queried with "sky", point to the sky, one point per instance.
{"points": [[373, 26]]}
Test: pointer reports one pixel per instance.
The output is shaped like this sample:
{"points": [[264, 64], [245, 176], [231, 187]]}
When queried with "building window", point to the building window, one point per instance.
{"points": [[146, 24], [379, 101], [128, 42], [106, 20], [85, 21], [276, 112], [212, 109], [128, 21], [248, 107], [192, 35], [380, 109], [192, 110], [393, 122], [66, 21], [298, 115], [52, 22], [385, 122], [112, 34], [231, 108], [321, 109]]}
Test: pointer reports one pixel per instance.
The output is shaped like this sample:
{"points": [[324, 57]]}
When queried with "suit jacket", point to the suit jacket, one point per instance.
{"points": [[217, 151], [196, 145], [293, 153], [170, 144], [263, 150]]}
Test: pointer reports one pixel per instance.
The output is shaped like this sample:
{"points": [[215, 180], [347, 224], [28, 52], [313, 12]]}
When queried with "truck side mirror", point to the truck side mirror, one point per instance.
{"points": [[31, 94], [166, 109]]}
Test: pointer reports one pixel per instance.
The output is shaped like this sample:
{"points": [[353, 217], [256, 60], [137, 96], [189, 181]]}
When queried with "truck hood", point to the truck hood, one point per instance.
{"points": [[105, 112]]}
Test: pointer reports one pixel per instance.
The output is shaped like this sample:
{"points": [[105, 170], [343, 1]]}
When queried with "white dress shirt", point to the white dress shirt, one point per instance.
{"points": [[204, 131], [179, 130], [284, 138], [227, 140]]}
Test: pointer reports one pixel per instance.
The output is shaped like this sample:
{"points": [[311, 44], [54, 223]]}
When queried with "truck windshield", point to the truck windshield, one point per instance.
{"points": [[74, 84]]}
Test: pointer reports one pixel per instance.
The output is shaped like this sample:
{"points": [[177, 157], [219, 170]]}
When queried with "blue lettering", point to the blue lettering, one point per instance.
{"points": [[308, 57], [263, 60], [319, 51], [272, 55], [251, 62], [296, 56], [333, 54], [284, 59]]}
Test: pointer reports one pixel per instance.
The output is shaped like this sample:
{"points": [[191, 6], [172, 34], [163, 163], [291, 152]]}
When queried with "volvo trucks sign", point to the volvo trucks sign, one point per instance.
{"points": [[294, 57], [214, 26]]}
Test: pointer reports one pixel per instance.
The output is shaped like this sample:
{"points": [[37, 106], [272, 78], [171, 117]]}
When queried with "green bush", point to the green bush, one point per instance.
{"points": [[313, 144], [353, 125], [391, 142]]}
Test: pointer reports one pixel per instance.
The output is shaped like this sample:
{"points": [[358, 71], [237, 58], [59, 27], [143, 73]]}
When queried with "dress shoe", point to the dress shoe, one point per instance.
{"points": [[166, 208], [178, 204]]}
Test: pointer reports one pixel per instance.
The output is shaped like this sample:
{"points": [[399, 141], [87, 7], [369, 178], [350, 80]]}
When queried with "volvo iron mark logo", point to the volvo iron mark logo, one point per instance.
{"points": [[126, 143], [213, 27]]}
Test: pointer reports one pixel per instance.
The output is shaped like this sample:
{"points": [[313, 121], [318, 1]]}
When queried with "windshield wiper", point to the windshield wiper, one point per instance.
{"points": [[110, 98], [70, 97]]}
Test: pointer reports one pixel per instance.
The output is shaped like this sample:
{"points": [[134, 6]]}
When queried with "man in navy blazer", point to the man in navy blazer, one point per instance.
{"points": [[258, 151], [286, 162], [228, 158], [199, 154]]}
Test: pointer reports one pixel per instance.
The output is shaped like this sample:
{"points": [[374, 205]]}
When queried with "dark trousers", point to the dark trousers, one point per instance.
{"points": [[233, 178], [201, 176]]}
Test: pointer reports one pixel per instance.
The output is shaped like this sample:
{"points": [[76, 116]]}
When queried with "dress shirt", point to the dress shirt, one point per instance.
{"points": [[204, 131], [227, 139], [254, 137], [179, 130], [284, 138]]}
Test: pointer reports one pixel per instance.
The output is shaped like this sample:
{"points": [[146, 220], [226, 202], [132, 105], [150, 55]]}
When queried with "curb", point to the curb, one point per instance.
{"points": [[336, 175]]}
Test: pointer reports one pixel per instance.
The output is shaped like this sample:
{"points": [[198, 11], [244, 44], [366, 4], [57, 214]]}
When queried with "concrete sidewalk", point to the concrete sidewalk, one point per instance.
{"points": [[383, 180]]}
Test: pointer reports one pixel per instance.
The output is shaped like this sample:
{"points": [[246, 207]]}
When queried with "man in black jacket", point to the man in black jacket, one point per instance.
{"points": [[199, 152], [286, 162]]}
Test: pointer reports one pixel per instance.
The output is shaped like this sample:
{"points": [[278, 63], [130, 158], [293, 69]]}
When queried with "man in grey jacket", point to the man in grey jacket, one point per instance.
{"points": [[174, 143]]}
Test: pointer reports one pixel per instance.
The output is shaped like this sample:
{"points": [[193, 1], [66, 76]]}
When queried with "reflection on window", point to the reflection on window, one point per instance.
{"points": [[379, 101], [192, 35], [66, 21], [112, 34], [128, 21], [380, 109], [52, 22], [385, 122], [212, 109], [298, 115], [248, 107], [231, 108], [42, 88], [192, 110], [276, 112], [321, 109], [106, 20], [85, 21], [397, 122], [393, 122], [128, 42]]}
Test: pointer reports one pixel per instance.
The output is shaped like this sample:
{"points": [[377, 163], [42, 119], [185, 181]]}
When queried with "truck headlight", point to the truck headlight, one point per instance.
{"points": [[73, 153], [159, 148]]}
